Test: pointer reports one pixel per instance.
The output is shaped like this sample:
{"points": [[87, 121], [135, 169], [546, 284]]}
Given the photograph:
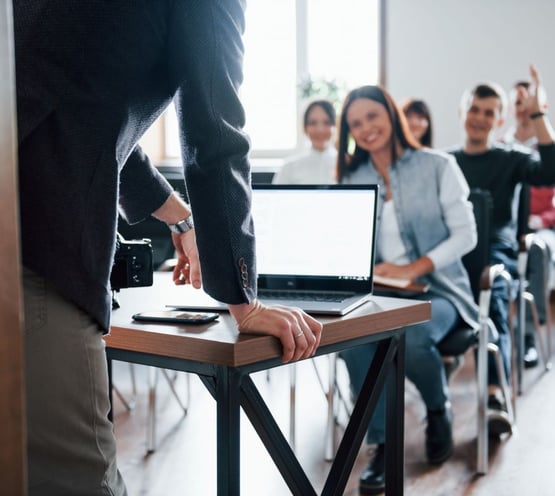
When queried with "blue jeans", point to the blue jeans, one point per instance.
{"points": [[423, 363], [499, 309]]}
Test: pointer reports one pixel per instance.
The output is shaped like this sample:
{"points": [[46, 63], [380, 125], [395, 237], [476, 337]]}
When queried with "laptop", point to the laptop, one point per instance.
{"points": [[315, 247]]}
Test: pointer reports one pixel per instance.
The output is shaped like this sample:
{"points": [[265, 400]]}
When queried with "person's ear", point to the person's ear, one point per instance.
{"points": [[500, 122]]}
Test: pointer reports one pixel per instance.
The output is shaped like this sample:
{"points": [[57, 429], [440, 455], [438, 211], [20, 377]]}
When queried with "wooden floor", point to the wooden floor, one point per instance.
{"points": [[184, 462]]}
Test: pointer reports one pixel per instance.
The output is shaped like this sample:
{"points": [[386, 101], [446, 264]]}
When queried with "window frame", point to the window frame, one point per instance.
{"points": [[301, 23]]}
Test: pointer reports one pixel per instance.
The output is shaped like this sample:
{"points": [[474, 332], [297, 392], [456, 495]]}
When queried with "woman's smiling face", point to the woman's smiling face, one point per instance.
{"points": [[418, 125], [369, 125], [319, 128]]}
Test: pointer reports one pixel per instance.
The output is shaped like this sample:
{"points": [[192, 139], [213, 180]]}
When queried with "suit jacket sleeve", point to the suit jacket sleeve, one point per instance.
{"points": [[142, 188], [205, 64]]}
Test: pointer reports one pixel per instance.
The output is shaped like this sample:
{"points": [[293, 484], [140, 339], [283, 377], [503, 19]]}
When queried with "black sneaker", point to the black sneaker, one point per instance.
{"points": [[372, 480], [439, 435], [499, 421]]}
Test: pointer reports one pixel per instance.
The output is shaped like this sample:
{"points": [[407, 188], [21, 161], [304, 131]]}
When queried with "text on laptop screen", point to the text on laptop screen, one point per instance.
{"points": [[315, 231]]}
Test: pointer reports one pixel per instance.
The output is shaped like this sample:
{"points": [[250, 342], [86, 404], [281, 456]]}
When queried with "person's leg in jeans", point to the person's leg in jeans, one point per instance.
{"points": [[71, 444], [499, 310], [499, 421], [423, 363]]}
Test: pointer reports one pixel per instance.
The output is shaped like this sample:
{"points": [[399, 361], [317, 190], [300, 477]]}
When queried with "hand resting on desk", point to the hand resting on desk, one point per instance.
{"points": [[298, 332], [385, 275]]}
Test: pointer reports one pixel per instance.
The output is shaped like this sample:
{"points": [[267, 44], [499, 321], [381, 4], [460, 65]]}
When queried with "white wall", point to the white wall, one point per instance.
{"points": [[438, 48]]}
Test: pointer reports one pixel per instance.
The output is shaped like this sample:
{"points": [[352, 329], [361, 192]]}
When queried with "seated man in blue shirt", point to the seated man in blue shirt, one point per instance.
{"points": [[501, 168]]}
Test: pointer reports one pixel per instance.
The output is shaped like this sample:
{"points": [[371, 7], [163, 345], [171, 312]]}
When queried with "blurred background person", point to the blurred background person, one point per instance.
{"points": [[541, 218], [317, 164], [501, 168], [421, 239], [419, 119]]}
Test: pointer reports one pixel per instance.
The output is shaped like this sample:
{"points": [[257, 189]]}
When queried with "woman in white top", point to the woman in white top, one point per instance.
{"points": [[425, 226], [316, 165]]}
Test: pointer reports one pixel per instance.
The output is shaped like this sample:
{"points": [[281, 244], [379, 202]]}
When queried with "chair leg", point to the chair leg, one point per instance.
{"points": [[329, 449], [329, 392], [492, 348], [129, 404], [529, 297], [548, 338], [171, 384], [151, 421], [482, 372], [548, 329], [292, 403], [133, 381], [520, 330]]}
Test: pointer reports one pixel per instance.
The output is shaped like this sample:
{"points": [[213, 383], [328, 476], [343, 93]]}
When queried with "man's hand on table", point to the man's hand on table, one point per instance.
{"points": [[298, 332]]}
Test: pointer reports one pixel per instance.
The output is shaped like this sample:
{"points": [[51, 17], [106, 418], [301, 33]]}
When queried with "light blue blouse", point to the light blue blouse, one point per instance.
{"points": [[435, 219]]}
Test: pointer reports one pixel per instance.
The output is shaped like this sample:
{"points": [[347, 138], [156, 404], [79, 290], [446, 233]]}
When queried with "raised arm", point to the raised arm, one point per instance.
{"points": [[536, 108]]}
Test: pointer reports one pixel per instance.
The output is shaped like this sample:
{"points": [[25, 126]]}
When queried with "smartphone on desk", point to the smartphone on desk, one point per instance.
{"points": [[176, 317]]}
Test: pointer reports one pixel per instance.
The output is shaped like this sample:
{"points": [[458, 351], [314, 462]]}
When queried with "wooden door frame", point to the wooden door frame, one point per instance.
{"points": [[13, 464]]}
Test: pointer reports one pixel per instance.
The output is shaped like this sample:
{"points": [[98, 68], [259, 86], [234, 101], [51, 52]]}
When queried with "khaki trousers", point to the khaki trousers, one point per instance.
{"points": [[71, 443]]}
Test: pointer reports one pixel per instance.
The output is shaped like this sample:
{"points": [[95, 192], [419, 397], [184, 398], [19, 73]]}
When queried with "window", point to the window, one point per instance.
{"points": [[287, 42]]}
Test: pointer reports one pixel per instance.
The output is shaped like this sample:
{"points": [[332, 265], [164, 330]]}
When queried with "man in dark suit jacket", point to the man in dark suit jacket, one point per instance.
{"points": [[91, 78]]}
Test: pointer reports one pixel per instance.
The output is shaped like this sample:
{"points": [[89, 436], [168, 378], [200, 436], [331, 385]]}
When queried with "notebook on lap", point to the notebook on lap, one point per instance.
{"points": [[314, 245]]}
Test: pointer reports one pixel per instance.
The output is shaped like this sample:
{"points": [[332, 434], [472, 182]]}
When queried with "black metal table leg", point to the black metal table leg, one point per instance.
{"points": [[360, 418], [228, 382], [395, 423], [270, 434]]}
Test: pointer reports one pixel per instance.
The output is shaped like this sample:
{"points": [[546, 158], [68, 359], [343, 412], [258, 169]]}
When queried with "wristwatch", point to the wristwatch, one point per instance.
{"points": [[182, 226]]}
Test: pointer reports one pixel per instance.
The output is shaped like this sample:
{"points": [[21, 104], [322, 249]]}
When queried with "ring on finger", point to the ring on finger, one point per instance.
{"points": [[301, 333]]}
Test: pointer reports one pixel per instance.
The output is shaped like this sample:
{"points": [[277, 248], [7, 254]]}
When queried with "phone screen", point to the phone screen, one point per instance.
{"points": [[176, 316]]}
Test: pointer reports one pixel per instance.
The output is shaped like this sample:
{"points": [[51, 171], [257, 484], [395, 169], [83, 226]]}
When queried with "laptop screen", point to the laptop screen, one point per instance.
{"points": [[315, 237]]}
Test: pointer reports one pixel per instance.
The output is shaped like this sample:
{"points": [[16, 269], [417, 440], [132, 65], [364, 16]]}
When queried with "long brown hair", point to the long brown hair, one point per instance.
{"points": [[349, 162]]}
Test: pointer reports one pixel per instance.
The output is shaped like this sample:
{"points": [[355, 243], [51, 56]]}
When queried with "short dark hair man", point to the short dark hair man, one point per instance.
{"points": [[500, 168], [541, 218]]}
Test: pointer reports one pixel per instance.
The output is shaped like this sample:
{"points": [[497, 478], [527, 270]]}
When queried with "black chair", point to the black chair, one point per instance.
{"points": [[460, 340]]}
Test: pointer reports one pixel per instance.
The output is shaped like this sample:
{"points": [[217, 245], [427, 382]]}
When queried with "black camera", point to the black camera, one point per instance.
{"points": [[132, 264]]}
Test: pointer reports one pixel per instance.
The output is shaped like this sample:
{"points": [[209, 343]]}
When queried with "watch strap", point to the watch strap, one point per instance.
{"points": [[182, 226]]}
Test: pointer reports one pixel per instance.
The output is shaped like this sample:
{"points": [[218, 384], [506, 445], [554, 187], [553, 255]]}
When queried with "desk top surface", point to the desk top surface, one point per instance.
{"points": [[220, 343]]}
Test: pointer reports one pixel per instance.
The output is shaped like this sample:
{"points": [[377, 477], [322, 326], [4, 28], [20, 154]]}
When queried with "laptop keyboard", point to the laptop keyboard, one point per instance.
{"points": [[304, 295]]}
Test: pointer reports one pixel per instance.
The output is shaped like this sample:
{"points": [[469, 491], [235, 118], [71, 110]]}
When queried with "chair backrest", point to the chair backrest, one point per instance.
{"points": [[478, 258], [523, 212], [461, 339]]}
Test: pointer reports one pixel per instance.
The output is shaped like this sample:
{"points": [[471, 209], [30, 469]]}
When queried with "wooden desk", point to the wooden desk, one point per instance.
{"points": [[223, 360]]}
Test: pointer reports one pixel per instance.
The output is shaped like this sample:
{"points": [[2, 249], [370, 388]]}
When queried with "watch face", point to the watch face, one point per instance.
{"points": [[182, 226]]}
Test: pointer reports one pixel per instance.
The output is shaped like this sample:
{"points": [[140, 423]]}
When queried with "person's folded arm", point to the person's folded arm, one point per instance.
{"points": [[458, 216], [142, 189]]}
